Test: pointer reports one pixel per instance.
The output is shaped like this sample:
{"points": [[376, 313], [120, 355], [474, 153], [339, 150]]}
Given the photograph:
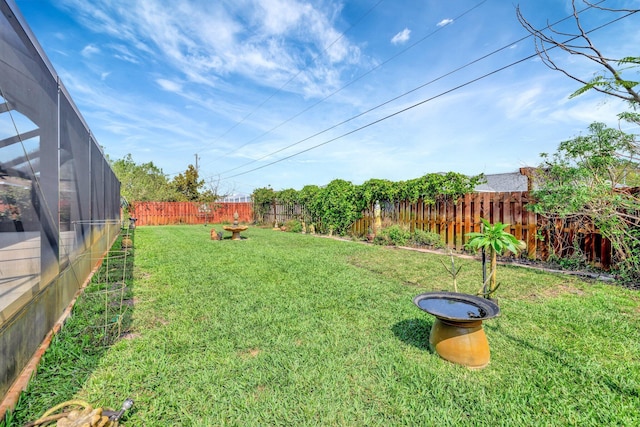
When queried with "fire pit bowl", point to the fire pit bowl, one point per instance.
{"points": [[457, 334]]}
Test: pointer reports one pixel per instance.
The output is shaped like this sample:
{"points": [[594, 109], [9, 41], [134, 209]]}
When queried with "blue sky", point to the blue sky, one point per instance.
{"points": [[288, 93]]}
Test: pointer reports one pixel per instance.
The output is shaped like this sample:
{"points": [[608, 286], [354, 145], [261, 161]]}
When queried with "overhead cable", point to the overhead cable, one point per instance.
{"points": [[293, 77], [388, 101], [361, 76], [418, 103]]}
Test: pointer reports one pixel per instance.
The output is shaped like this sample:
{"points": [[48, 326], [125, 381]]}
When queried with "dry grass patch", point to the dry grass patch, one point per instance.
{"points": [[249, 353]]}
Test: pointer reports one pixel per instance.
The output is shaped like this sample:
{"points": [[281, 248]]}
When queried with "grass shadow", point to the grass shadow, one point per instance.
{"points": [[414, 332]]}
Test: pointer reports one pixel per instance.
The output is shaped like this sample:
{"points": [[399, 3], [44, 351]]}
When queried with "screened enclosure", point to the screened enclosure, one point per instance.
{"points": [[59, 198]]}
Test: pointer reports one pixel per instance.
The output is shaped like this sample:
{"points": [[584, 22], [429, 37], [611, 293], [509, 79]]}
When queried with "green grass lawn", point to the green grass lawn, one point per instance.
{"points": [[290, 329]]}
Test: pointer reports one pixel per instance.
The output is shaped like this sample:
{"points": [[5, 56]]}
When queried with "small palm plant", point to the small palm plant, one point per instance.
{"points": [[495, 240]]}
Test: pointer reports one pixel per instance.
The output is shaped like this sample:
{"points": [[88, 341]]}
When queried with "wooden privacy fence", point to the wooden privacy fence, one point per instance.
{"points": [[283, 212], [452, 221], [165, 213]]}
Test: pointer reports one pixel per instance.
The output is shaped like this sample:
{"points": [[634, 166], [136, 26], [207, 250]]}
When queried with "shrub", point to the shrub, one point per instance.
{"points": [[426, 238], [338, 206], [395, 235], [263, 199], [293, 226]]}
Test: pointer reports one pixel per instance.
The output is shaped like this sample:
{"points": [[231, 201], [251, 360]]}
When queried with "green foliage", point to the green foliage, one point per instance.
{"points": [[572, 262], [394, 235], [307, 198], [288, 196], [628, 271], [146, 182], [338, 206], [495, 240], [188, 185], [378, 189], [293, 226], [426, 238], [308, 194], [143, 182], [431, 186], [263, 199], [630, 116], [583, 182], [208, 195], [611, 81]]}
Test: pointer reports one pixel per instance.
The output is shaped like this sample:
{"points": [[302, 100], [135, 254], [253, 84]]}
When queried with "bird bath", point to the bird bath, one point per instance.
{"points": [[235, 229], [457, 334]]}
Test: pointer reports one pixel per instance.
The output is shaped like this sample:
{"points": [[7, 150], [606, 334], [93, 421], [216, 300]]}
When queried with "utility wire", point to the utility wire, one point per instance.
{"points": [[291, 79], [386, 117], [391, 58], [375, 107], [395, 98], [421, 102]]}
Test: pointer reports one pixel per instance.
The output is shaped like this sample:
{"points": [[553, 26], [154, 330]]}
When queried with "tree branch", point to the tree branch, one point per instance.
{"points": [[610, 82]]}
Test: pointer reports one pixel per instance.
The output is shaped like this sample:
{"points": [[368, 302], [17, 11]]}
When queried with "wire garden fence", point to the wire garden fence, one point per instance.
{"points": [[107, 301]]}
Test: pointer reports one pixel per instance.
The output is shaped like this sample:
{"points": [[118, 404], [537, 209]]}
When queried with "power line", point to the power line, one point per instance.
{"points": [[421, 102], [386, 117], [291, 79], [235, 125], [391, 58], [395, 98], [377, 106]]}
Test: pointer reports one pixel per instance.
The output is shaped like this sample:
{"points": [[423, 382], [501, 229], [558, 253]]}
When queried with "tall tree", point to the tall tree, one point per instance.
{"points": [[585, 180], [263, 200], [188, 184], [142, 182], [582, 182]]}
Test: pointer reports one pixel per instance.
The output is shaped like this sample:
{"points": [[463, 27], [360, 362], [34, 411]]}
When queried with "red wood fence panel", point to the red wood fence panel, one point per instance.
{"points": [[165, 213]]}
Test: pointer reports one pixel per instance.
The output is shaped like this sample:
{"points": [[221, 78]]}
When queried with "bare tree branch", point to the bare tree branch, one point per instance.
{"points": [[610, 80]]}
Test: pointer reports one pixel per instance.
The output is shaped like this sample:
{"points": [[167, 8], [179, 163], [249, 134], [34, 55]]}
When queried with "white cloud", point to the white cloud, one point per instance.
{"points": [[249, 72], [444, 22], [266, 41], [521, 101], [279, 16], [89, 50], [124, 53], [582, 112], [402, 37], [127, 116], [169, 86]]}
